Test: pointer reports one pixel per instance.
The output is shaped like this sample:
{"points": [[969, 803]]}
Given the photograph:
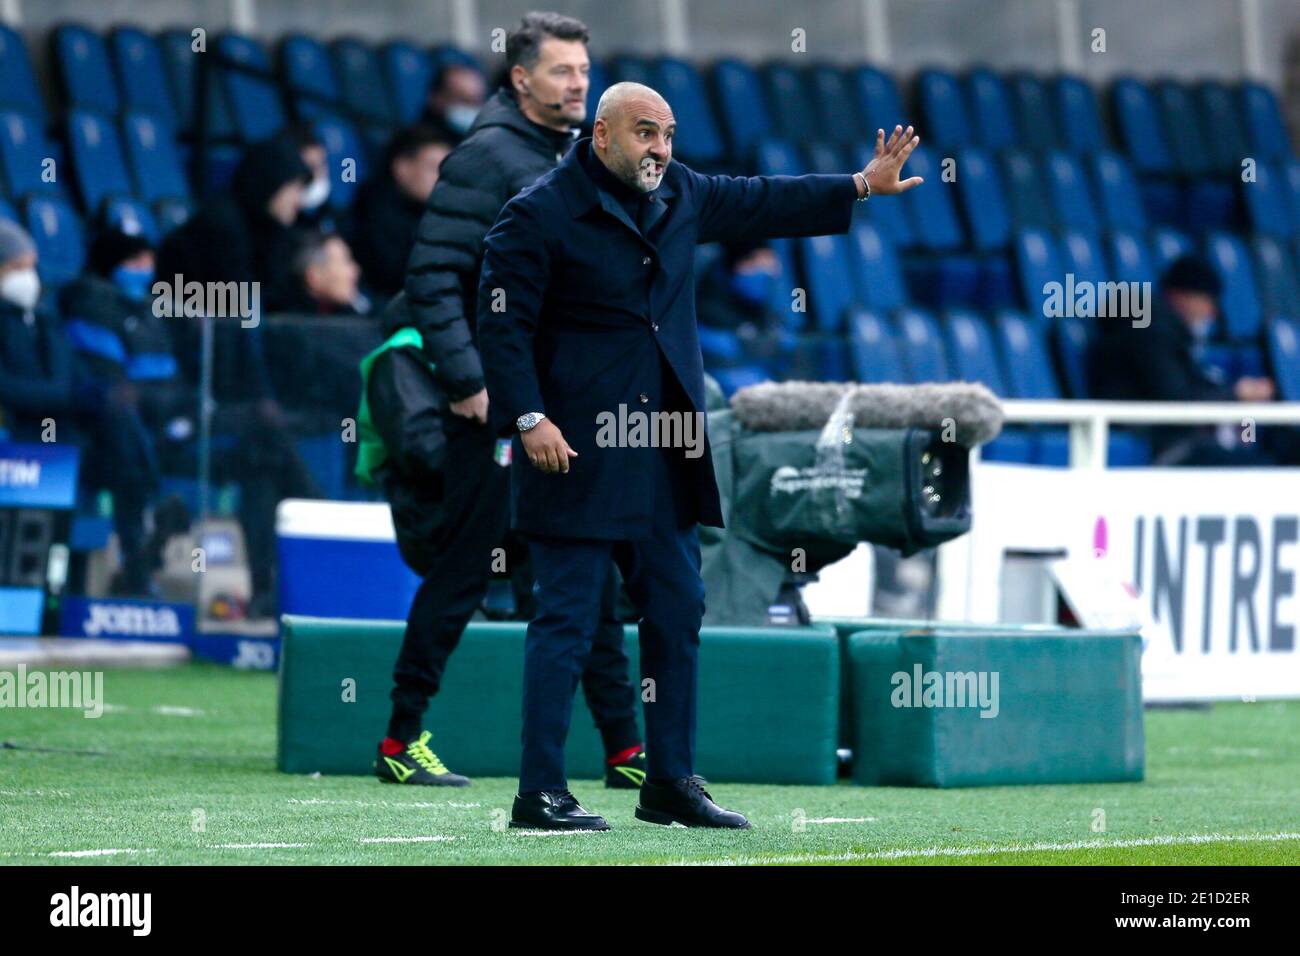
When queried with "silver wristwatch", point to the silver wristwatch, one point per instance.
{"points": [[528, 421]]}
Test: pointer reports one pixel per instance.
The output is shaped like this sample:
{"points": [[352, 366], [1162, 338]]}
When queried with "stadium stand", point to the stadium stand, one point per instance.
{"points": [[1028, 179]]}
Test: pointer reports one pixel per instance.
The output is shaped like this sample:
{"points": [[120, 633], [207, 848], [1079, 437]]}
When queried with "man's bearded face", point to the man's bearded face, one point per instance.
{"points": [[641, 144]]}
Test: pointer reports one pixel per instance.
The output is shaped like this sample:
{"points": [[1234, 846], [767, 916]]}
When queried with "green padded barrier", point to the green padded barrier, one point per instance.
{"points": [[845, 627], [1068, 707], [768, 701]]}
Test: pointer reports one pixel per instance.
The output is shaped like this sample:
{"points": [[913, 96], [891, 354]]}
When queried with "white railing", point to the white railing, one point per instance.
{"points": [[1090, 421]]}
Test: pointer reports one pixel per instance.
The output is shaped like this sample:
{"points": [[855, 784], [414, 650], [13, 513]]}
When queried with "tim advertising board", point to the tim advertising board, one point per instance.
{"points": [[1210, 555], [38, 490]]}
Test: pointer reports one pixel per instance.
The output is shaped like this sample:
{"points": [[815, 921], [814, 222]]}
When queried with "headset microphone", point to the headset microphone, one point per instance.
{"points": [[550, 106]]}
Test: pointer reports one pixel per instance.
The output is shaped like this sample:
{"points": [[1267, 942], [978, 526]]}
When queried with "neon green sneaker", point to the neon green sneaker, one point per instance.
{"points": [[418, 765]]}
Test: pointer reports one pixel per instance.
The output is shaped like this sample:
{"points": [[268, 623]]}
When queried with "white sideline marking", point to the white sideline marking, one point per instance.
{"points": [[415, 839], [933, 851], [550, 833], [257, 846], [423, 805], [92, 852], [843, 820], [168, 710]]}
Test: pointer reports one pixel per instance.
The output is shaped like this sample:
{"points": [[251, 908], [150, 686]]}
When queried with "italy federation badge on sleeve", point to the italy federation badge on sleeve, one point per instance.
{"points": [[501, 455]]}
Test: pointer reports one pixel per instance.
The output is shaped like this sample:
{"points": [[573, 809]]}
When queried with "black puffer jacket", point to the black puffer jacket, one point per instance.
{"points": [[503, 153]]}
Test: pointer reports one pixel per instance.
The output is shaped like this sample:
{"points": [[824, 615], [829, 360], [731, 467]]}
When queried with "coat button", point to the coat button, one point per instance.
{"points": [[654, 327], [645, 261], [643, 398]]}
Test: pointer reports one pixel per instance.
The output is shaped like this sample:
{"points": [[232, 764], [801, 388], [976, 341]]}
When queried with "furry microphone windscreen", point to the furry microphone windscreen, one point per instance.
{"points": [[975, 411]]}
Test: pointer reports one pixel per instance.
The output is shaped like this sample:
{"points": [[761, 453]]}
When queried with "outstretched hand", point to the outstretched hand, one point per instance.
{"points": [[882, 173]]}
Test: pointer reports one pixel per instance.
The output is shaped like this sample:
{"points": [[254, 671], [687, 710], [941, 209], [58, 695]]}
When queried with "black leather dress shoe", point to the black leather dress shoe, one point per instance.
{"points": [[553, 810], [685, 801]]}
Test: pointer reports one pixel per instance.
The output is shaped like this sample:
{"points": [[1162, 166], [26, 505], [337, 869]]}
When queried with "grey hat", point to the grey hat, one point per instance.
{"points": [[14, 241]]}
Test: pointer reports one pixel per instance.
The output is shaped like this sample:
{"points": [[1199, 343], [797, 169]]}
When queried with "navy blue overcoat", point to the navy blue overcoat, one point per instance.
{"points": [[580, 313]]}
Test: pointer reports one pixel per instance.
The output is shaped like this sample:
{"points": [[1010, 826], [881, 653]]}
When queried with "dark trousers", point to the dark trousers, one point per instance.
{"points": [[663, 579], [476, 500]]}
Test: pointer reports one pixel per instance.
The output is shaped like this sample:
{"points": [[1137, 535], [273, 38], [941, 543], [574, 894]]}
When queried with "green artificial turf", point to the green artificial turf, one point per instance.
{"points": [[182, 771]]}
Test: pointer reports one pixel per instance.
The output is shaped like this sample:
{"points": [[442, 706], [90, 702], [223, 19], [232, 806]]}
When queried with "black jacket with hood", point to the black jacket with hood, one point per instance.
{"points": [[503, 153]]}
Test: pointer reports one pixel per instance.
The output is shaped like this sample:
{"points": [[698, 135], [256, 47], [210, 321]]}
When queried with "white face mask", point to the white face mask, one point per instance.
{"points": [[317, 191], [22, 288], [461, 116]]}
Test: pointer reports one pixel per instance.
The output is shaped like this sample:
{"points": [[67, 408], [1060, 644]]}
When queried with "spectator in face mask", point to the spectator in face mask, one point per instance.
{"points": [[1162, 362], [454, 101], [390, 205], [736, 296], [35, 354], [316, 212]]}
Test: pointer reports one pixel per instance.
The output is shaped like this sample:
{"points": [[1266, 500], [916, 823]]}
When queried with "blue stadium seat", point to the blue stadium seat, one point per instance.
{"points": [[83, 70], [138, 61], [774, 157], [993, 121], [1292, 185], [631, 69], [151, 154], [943, 110], [1268, 205], [1081, 255], [1025, 356], [830, 289], [879, 102], [250, 88], [827, 159], [1284, 356], [719, 347], [1130, 258], [309, 76], [1221, 115], [1035, 115], [1038, 262], [1265, 129], [933, 208], [1166, 246], [1026, 193], [1140, 129], [341, 142], [921, 347], [983, 200], [874, 349], [1279, 288], [732, 379], [171, 213], [1070, 193], [1182, 127], [60, 242], [741, 106], [874, 267], [790, 103], [1117, 187], [972, 356], [409, 70], [97, 162], [7, 212], [597, 83], [1240, 300], [837, 116], [181, 64], [361, 81], [18, 89], [1078, 115], [132, 217], [698, 138], [23, 151], [1071, 339]]}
